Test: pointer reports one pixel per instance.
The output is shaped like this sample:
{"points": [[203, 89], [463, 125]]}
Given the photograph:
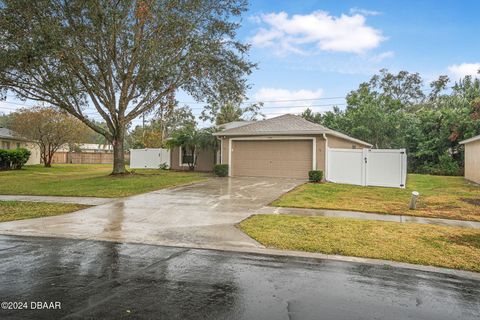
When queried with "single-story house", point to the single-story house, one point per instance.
{"points": [[472, 158], [285, 146], [12, 140]]}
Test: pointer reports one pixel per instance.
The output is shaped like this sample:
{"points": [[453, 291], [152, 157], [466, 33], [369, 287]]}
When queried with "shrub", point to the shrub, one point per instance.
{"points": [[221, 170], [315, 175], [20, 157], [163, 166], [446, 166], [4, 159], [13, 159]]}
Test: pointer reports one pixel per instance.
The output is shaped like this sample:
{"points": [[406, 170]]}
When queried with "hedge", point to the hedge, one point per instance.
{"points": [[315, 175], [221, 170], [13, 159]]}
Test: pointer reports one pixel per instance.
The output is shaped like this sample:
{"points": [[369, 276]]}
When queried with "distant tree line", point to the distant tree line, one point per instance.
{"points": [[393, 111]]}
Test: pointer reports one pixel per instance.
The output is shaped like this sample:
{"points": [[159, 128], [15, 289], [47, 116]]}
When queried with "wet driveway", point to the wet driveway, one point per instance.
{"points": [[98, 280], [197, 215]]}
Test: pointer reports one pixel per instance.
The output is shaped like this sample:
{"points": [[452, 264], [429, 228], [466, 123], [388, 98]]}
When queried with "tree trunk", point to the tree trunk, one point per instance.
{"points": [[118, 152], [49, 156], [43, 154]]}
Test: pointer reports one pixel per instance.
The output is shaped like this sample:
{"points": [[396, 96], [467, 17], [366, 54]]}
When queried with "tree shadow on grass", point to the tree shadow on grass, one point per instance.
{"points": [[470, 240]]}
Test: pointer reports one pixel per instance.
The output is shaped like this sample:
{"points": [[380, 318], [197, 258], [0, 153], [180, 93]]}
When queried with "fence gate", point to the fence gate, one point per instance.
{"points": [[368, 167], [149, 158]]}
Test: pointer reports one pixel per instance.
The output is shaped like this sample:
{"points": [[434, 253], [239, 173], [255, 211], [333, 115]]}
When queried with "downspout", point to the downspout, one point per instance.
{"points": [[326, 156], [221, 150]]}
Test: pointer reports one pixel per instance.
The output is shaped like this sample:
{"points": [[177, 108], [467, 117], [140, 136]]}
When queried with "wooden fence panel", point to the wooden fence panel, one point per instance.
{"points": [[59, 157], [85, 158]]}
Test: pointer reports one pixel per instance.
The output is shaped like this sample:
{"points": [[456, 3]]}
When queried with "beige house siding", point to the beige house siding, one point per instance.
{"points": [[32, 147], [472, 161], [337, 142], [321, 149], [34, 153], [205, 160], [224, 147]]}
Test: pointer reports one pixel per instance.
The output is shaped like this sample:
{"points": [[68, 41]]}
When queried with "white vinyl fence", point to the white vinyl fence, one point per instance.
{"points": [[149, 158], [368, 167]]}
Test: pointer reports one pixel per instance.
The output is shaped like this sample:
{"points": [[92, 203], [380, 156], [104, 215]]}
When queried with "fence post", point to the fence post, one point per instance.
{"points": [[364, 167]]}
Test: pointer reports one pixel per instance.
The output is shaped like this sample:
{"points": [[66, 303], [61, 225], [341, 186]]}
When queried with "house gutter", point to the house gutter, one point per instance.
{"points": [[326, 156]]}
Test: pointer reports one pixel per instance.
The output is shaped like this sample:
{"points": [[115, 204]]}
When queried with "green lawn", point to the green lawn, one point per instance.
{"points": [[448, 247], [18, 210], [89, 180], [441, 197]]}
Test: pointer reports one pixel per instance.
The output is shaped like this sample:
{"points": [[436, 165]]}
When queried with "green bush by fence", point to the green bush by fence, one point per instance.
{"points": [[315, 175], [13, 159], [221, 170]]}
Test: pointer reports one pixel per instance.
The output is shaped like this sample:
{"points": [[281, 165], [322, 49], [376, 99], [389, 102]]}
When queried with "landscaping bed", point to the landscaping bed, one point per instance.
{"points": [[440, 197], [19, 210], [448, 247], [90, 180]]}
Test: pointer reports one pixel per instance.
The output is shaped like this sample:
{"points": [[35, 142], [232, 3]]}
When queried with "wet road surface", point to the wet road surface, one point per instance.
{"points": [[97, 280]]}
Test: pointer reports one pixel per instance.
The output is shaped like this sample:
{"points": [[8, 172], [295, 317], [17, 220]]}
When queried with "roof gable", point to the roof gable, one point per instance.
{"points": [[287, 124], [472, 139]]}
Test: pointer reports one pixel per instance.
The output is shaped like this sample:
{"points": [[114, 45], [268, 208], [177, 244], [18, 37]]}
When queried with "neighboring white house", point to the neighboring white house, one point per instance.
{"points": [[12, 140], [472, 158]]}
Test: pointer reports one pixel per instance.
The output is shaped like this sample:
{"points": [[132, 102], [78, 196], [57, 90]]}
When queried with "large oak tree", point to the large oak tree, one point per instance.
{"points": [[121, 57]]}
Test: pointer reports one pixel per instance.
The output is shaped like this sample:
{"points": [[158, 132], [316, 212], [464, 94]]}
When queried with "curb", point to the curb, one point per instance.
{"points": [[285, 253]]}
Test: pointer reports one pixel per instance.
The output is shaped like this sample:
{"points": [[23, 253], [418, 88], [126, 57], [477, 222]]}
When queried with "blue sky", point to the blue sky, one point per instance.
{"points": [[321, 49], [326, 48]]}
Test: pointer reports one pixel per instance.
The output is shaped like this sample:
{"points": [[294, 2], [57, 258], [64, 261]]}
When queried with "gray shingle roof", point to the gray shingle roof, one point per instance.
{"points": [[234, 124], [287, 124], [9, 134]]}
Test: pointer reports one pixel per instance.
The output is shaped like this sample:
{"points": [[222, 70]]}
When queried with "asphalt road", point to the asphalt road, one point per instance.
{"points": [[97, 280]]}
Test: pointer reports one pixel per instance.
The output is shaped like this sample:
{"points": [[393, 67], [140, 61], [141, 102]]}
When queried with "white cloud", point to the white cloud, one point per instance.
{"points": [[279, 101], [364, 12], [276, 94], [464, 69], [255, 19], [346, 33], [382, 56]]}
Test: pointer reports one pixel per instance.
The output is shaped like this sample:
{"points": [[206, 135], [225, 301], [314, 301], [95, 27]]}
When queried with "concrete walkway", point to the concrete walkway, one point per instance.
{"points": [[198, 215], [78, 200], [369, 216]]}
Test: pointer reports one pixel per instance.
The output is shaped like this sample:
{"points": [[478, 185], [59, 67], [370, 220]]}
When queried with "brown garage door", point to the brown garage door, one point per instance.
{"points": [[273, 158]]}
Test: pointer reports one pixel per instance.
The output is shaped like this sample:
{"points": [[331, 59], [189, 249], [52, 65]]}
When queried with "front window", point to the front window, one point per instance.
{"points": [[187, 156], [5, 144]]}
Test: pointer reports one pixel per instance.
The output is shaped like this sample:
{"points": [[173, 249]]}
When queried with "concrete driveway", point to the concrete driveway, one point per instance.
{"points": [[200, 215]]}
